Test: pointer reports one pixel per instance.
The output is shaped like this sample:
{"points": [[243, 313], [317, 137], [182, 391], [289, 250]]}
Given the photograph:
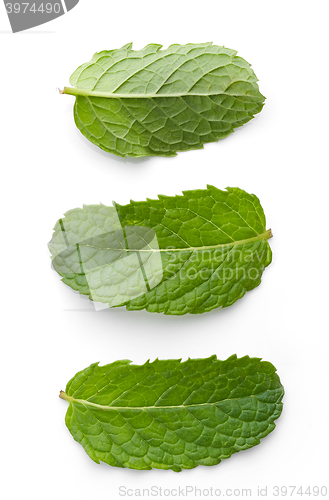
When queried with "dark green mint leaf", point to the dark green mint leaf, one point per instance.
{"points": [[172, 415]]}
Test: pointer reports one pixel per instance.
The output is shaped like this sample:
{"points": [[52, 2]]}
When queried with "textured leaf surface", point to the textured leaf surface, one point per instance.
{"points": [[177, 255], [159, 102], [172, 415]]}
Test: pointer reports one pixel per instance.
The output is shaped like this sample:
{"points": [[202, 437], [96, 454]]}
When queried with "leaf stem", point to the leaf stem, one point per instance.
{"points": [[63, 395], [268, 234]]}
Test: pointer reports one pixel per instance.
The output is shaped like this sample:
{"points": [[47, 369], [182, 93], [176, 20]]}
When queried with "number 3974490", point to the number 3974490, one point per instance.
{"points": [[22, 8]]}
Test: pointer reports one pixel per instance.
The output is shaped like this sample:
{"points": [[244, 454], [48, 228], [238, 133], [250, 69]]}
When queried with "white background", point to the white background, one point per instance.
{"points": [[49, 332]]}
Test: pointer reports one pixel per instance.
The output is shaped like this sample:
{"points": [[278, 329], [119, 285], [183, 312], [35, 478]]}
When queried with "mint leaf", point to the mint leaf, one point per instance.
{"points": [[159, 102], [177, 255], [172, 415]]}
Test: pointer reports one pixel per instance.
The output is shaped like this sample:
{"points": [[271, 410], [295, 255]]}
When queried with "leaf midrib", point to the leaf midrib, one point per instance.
{"points": [[113, 95], [86, 403], [264, 236]]}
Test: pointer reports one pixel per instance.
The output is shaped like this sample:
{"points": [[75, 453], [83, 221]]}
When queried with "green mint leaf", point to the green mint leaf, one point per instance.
{"points": [[176, 255], [172, 415], [159, 102]]}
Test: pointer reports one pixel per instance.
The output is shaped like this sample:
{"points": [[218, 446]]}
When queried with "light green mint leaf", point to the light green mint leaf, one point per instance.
{"points": [[172, 415], [176, 255], [159, 102]]}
